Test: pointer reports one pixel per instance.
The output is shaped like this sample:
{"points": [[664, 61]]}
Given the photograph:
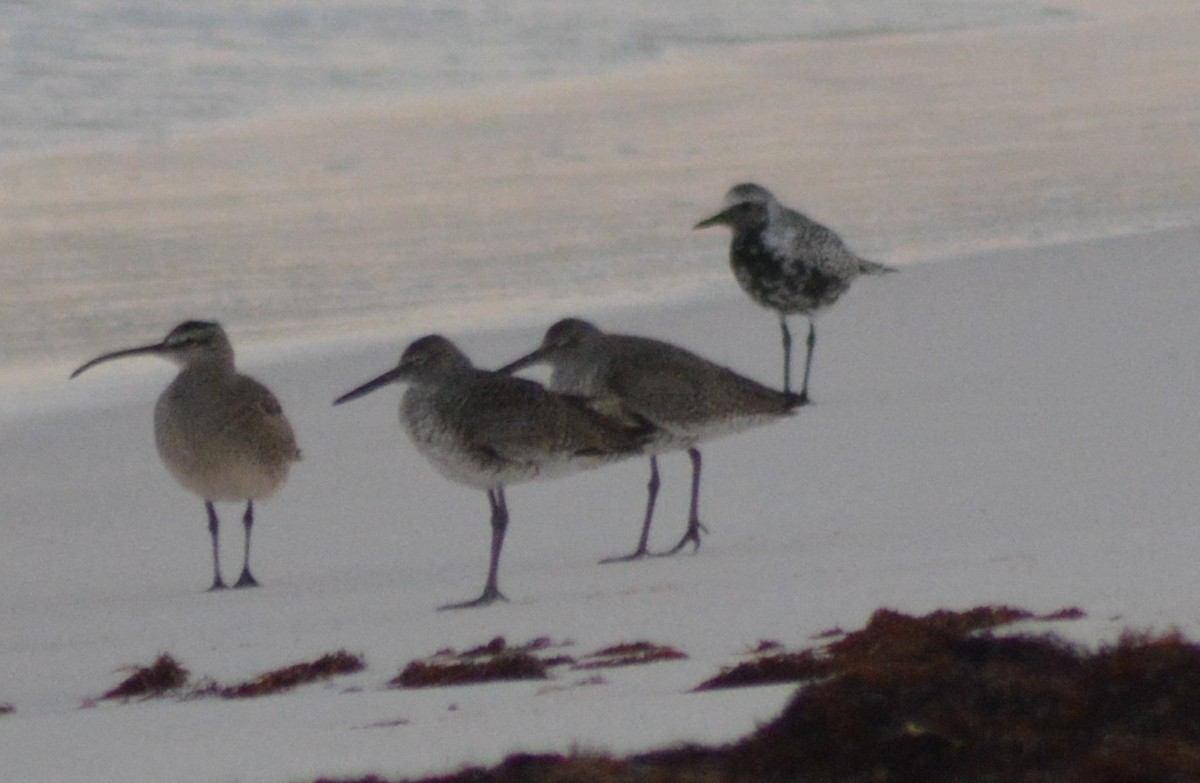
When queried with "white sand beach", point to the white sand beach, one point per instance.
{"points": [[1014, 422], [1017, 427]]}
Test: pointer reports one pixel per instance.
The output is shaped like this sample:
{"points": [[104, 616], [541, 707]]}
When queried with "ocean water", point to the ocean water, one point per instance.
{"points": [[206, 158], [81, 73]]}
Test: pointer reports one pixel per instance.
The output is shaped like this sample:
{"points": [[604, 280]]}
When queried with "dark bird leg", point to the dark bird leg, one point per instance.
{"points": [[247, 579], [641, 552], [499, 525], [213, 525], [695, 527], [812, 341], [787, 355]]}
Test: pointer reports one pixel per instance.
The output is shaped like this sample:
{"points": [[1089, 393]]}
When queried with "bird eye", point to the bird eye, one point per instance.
{"points": [[187, 340]]}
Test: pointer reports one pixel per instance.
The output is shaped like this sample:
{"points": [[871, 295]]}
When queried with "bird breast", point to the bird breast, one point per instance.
{"points": [[223, 438], [440, 430], [503, 430]]}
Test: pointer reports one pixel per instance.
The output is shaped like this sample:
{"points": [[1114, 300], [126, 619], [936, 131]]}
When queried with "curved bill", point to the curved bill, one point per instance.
{"points": [[391, 376], [523, 362], [143, 349]]}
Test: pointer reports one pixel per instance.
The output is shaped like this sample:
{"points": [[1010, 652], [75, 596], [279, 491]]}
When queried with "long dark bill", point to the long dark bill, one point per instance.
{"points": [[157, 348], [391, 376], [522, 363]]}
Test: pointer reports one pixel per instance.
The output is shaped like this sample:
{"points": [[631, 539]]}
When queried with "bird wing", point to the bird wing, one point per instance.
{"points": [[660, 393], [818, 246], [519, 420], [808, 236], [264, 413], [672, 386]]}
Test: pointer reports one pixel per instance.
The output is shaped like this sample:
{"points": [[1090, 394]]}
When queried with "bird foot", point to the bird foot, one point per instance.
{"points": [[217, 584], [692, 536], [488, 597], [640, 554], [246, 580]]}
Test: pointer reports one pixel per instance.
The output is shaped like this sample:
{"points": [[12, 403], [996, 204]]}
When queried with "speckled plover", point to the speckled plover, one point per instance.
{"points": [[787, 262]]}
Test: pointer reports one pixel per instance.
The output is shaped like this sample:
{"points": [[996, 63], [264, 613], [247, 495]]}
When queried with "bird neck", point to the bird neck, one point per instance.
{"points": [[209, 364]]}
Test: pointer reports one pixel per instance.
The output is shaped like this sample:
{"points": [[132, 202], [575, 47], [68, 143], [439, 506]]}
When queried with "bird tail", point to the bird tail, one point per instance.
{"points": [[874, 267]]}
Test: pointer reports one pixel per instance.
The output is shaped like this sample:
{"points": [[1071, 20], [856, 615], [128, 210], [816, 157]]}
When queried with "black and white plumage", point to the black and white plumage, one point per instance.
{"points": [[787, 262], [686, 398], [221, 434], [487, 430]]}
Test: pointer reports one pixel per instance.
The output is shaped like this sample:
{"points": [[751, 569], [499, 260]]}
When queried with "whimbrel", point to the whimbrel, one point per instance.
{"points": [[488, 430], [787, 262], [688, 399], [221, 434]]}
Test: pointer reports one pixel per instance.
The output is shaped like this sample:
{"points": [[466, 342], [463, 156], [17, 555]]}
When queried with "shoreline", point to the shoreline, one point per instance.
{"points": [[912, 146], [42, 389]]}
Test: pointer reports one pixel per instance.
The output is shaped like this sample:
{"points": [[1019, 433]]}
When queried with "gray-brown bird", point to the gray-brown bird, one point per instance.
{"points": [[688, 399], [221, 434], [787, 262], [488, 430]]}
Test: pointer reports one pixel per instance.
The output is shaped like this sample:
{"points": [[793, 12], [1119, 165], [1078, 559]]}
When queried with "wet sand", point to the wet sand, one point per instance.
{"points": [[507, 204]]}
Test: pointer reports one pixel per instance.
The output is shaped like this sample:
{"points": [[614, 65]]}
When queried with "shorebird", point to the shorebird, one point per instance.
{"points": [[488, 430], [221, 434], [688, 399], [787, 262]]}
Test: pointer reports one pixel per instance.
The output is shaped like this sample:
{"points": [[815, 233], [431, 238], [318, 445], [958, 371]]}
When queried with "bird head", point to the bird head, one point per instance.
{"points": [[745, 207], [186, 344], [425, 359], [560, 340]]}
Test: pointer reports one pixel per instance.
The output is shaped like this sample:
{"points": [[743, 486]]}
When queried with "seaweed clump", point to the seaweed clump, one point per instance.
{"points": [[495, 661], [326, 667], [159, 678], [498, 661], [166, 676], [771, 664], [943, 698], [629, 654]]}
